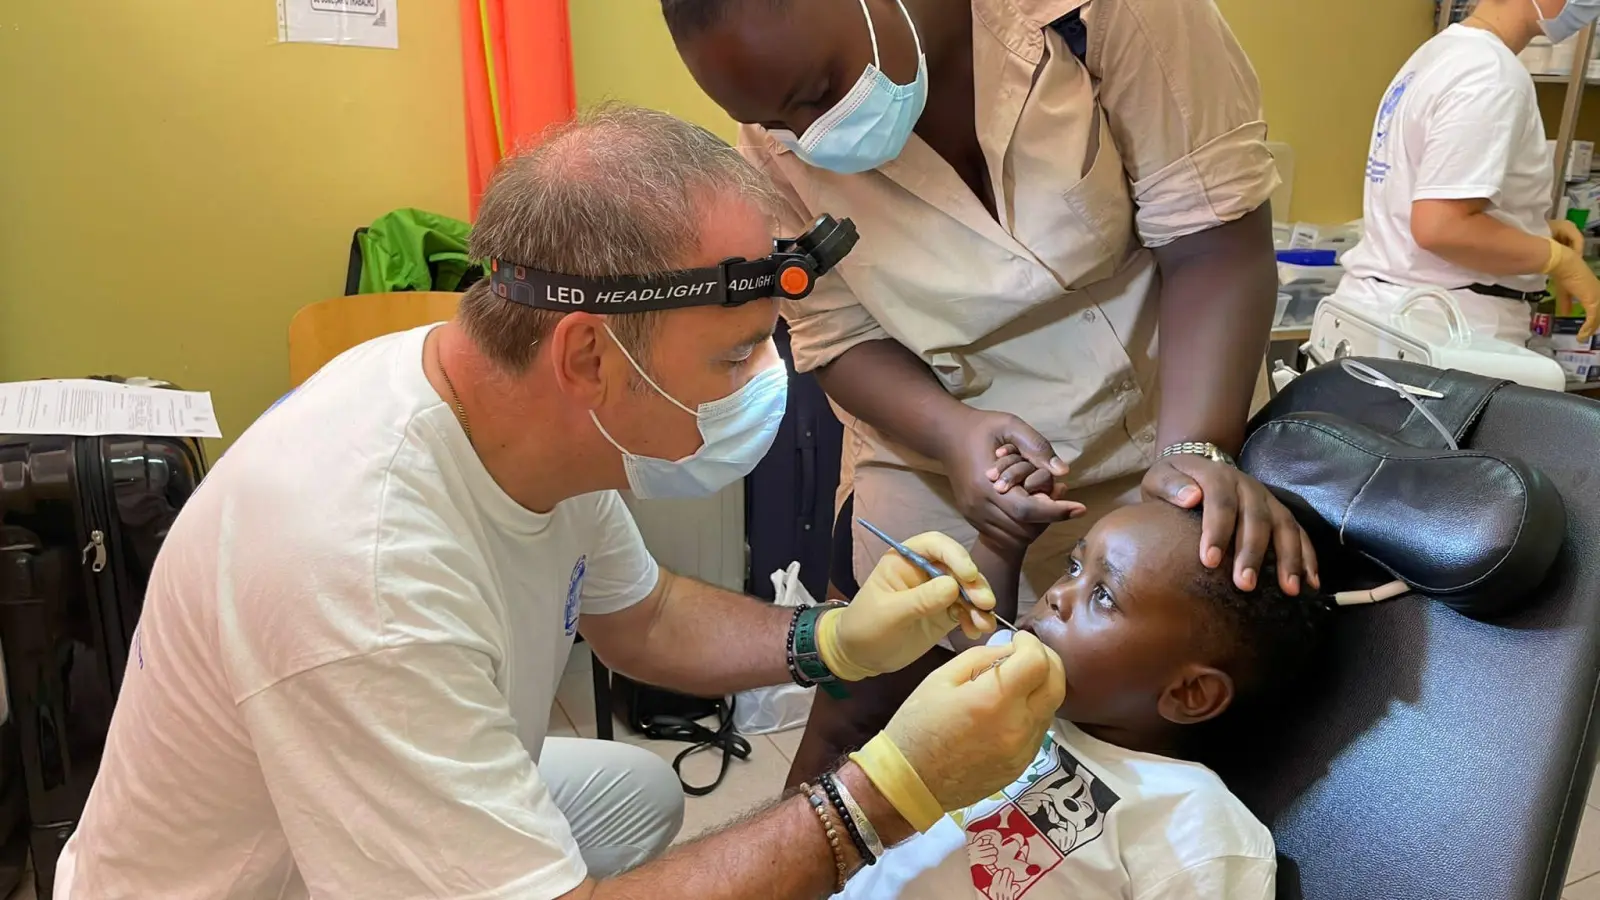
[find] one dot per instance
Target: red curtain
(518, 60)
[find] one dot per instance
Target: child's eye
(1074, 568)
(1103, 599)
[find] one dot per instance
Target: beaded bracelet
(788, 651)
(855, 819)
(819, 802)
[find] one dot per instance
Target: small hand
(973, 451)
(1004, 885)
(985, 849)
(1236, 505)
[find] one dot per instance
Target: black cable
(677, 728)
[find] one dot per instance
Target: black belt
(1492, 290)
(1495, 290)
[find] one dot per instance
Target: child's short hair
(1266, 639)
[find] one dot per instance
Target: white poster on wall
(349, 23)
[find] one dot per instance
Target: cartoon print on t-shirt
(1063, 809)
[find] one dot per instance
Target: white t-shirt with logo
(1460, 122)
(1087, 821)
(346, 662)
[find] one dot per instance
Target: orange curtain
(518, 60)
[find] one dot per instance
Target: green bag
(411, 250)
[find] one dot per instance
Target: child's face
(1131, 630)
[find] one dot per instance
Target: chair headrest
(1475, 530)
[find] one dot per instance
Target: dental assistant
(1042, 187)
(351, 642)
(1459, 173)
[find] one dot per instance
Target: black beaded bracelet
(788, 651)
(831, 787)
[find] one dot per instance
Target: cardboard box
(1563, 335)
(1579, 160)
(1581, 366)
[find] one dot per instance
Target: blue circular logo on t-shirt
(574, 596)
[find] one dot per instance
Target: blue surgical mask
(736, 432)
(1571, 20)
(872, 123)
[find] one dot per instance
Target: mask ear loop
(640, 369)
(872, 32)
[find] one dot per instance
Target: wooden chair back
(327, 328)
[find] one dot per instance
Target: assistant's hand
(1236, 506)
(900, 613)
(1574, 279)
(968, 730)
(972, 451)
(1565, 232)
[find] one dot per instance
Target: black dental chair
(1440, 756)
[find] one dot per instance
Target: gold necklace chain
(461, 411)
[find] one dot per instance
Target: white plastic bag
(785, 706)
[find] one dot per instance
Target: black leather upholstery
(1438, 756)
(1475, 529)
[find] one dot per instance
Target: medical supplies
(1305, 277)
(1579, 161)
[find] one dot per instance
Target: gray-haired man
(353, 635)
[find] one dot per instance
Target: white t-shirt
(1087, 821)
(1460, 122)
(346, 662)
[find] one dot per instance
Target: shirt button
(1147, 437)
(1125, 387)
(1088, 315)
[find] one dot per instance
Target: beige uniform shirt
(1048, 312)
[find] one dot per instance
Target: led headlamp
(790, 272)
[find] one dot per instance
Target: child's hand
(1013, 472)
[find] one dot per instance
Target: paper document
(350, 23)
(89, 408)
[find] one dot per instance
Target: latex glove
(1566, 233)
(1574, 280)
(900, 613)
(967, 731)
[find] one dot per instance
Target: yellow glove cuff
(1558, 250)
(886, 767)
(832, 656)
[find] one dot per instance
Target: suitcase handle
(1455, 319)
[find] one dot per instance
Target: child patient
(1153, 645)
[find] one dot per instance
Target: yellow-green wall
(175, 183)
(1322, 80)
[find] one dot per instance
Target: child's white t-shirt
(1087, 821)
(1459, 122)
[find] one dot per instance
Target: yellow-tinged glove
(1574, 280)
(901, 613)
(1565, 232)
(967, 731)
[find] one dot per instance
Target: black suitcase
(81, 521)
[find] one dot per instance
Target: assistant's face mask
(1571, 20)
(870, 125)
(736, 432)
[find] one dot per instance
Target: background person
(1030, 221)
(352, 637)
(1458, 178)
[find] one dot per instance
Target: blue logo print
(1377, 168)
(574, 595)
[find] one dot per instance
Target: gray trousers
(623, 802)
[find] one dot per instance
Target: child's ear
(1198, 694)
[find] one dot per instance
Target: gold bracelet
(820, 804)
